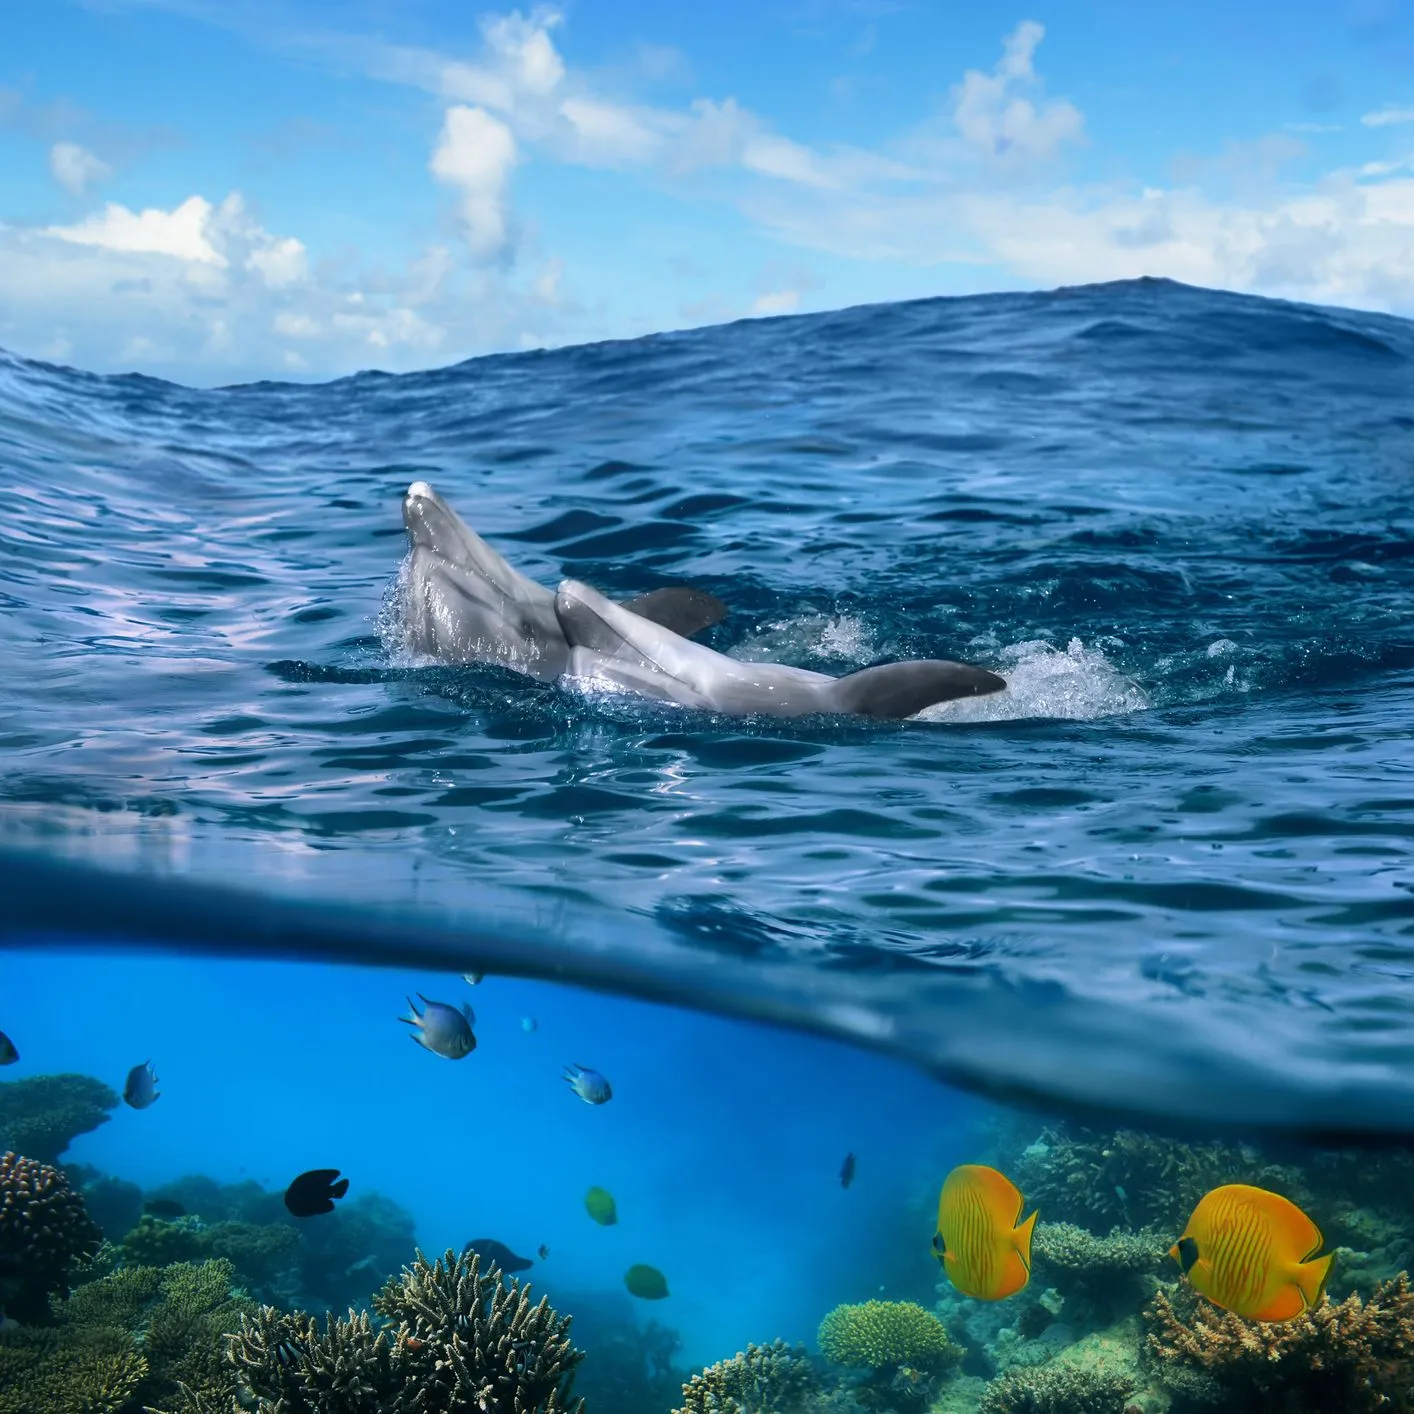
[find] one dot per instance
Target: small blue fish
(589, 1085)
(444, 1030)
(141, 1088)
(528, 1024)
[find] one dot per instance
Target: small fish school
(1245, 1249)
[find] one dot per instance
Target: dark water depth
(1168, 870)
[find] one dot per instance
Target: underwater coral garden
(202, 1298)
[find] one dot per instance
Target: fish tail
(1311, 1277)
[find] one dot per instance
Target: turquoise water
(1162, 879)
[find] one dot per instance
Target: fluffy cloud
(995, 118)
(475, 154)
(183, 232)
(75, 168)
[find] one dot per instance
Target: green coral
(157, 1242)
(124, 1341)
(1057, 1389)
(42, 1113)
(879, 1334)
(762, 1379)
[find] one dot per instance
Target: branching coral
(41, 1114)
(99, 1372)
(457, 1339)
(44, 1232)
(1352, 1356)
(1057, 1389)
(762, 1379)
(1103, 1179)
(880, 1334)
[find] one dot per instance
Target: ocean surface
(1164, 876)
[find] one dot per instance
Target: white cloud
(182, 232)
(475, 153)
(75, 168)
(997, 122)
(777, 302)
(281, 262)
(610, 135)
(1384, 117)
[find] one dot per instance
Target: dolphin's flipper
(679, 609)
(897, 690)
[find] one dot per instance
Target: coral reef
(879, 1334)
(44, 1232)
(1354, 1355)
(157, 1242)
(137, 1335)
(1095, 1278)
(905, 1350)
(1057, 1389)
(1101, 1180)
(41, 1114)
(762, 1379)
(113, 1203)
(457, 1339)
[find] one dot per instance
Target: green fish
(599, 1204)
(647, 1283)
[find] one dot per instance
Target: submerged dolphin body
(610, 644)
(465, 604)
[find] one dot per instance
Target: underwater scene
(888, 833)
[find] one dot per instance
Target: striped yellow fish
(982, 1243)
(1251, 1251)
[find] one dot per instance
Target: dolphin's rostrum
(465, 604)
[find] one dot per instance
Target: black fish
(847, 1171)
(8, 1054)
(492, 1251)
(314, 1192)
(543, 1252)
(164, 1208)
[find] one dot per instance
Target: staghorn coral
(1351, 1356)
(762, 1379)
(1057, 1389)
(44, 1232)
(41, 1114)
(98, 1372)
(457, 1339)
(880, 1334)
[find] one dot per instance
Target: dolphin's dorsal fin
(679, 609)
(897, 690)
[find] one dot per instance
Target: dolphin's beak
(431, 523)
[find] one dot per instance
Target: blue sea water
(1165, 874)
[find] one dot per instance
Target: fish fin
(1016, 1272)
(1311, 1277)
(1021, 1236)
(418, 1040)
(897, 690)
(340, 1188)
(679, 609)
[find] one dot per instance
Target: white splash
(843, 637)
(1077, 684)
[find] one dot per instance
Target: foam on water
(1072, 684)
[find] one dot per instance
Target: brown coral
(44, 1232)
(762, 1379)
(458, 1339)
(1352, 1356)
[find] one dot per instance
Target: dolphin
(464, 604)
(609, 644)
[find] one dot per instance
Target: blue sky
(298, 188)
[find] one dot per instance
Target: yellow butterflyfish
(1251, 1251)
(981, 1241)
